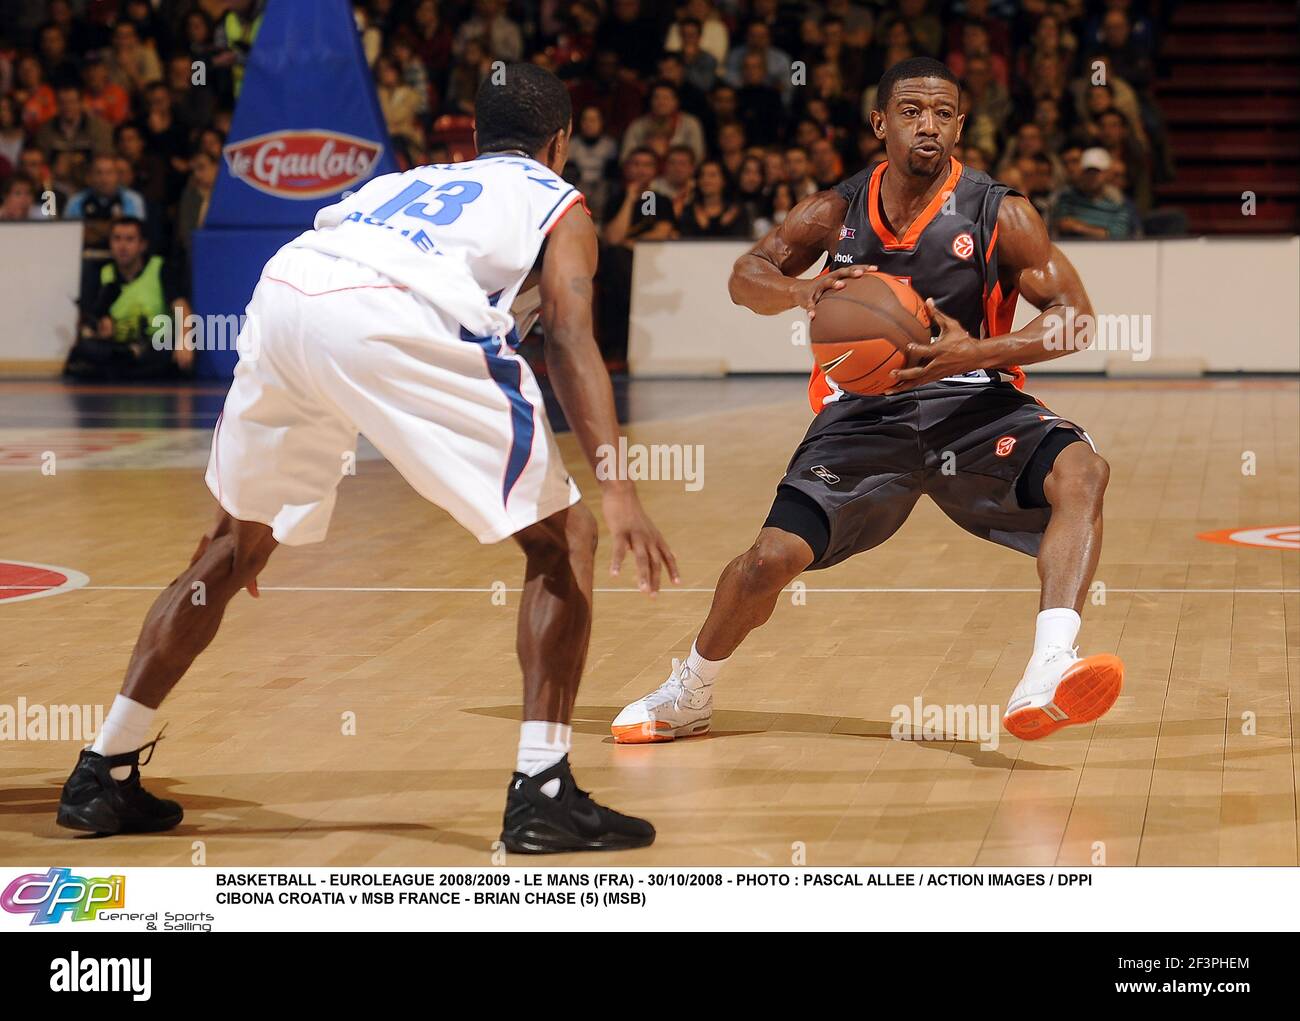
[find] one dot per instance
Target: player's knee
(232, 559)
(557, 538)
(774, 560)
(1083, 475)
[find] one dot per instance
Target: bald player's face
(921, 125)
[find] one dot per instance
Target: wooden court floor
(392, 624)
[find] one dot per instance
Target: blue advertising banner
(307, 128)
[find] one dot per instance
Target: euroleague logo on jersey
(302, 164)
(1004, 446)
(963, 246)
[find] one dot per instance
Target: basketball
(861, 331)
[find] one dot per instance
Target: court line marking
(829, 591)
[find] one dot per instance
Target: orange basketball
(860, 331)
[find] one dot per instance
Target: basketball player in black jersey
(955, 425)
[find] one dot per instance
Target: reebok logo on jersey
(825, 474)
(841, 257)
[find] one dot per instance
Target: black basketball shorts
(865, 461)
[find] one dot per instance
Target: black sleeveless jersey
(949, 254)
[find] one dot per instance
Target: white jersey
(463, 236)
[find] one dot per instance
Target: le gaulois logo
(302, 164)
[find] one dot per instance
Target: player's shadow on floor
(745, 723)
(204, 813)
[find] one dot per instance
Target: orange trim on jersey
(579, 197)
(993, 242)
(888, 240)
(999, 314)
(818, 389)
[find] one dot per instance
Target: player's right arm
(577, 373)
(766, 278)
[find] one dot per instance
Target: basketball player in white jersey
(391, 318)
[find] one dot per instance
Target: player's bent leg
(1059, 688)
(104, 794)
(743, 600)
(546, 811)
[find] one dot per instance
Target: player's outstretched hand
(809, 292)
(953, 352)
(633, 531)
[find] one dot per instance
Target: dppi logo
(47, 898)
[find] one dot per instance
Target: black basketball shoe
(536, 823)
(95, 802)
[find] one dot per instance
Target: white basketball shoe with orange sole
(1059, 690)
(680, 707)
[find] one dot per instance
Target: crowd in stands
(727, 111)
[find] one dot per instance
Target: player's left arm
(1031, 263)
(581, 383)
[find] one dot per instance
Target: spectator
(433, 37)
(595, 155)
(678, 179)
(1115, 136)
(852, 63)
(699, 65)
(18, 199)
(758, 52)
(399, 102)
(714, 39)
(924, 28)
(462, 84)
(628, 31)
(163, 136)
(1089, 208)
(193, 207)
(150, 169)
(758, 102)
(413, 70)
(826, 166)
(639, 213)
(121, 317)
(731, 146)
(501, 37)
(74, 130)
(98, 205)
(34, 94)
(1028, 143)
(619, 98)
(779, 204)
(131, 63)
(12, 136)
(52, 45)
(975, 43)
(665, 125)
(193, 107)
(749, 187)
(857, 21)
(713, 212)
(798, 173)
(233, 38)
(103, 97)
(1129, 60)
(692, 99)
(32, 164)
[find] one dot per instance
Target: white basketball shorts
(332, 348)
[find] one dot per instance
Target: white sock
(125, 730)
(1057, 628)
(541, 746)
(706, 670)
